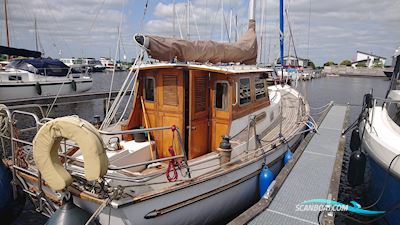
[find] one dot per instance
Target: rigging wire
(57, 25)
(308, 34)
(195, 21)
(291, 34)
(95, 17)
(115, 56)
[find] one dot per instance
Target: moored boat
(29, 78)
(209, 129)
(379, 130)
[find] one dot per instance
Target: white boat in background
(108, 63)
(30, 78)
(76, 64)
(3, 65)
(93, 65)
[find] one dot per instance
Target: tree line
(346, 62)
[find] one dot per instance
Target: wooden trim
(254, 105)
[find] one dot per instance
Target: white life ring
(47, 142)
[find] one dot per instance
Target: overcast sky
(89, 28)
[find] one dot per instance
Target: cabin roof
(225, 69)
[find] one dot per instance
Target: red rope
(171, 167)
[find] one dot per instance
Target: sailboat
(208, 128)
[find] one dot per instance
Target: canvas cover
(41, 66)
(167, 49)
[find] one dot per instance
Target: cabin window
(244, 91)
(149, 89)
(221, 95)
(14, 77)
(259, 87)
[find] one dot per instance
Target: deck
(314, 175)
(291, 121)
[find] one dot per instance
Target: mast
(7, 32)
(36, 35)
(281, 34)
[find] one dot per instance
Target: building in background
(292, 61)
(369, 60)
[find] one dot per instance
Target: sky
(321, 30)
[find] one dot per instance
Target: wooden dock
(313, 173)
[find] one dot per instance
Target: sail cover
(19, 52)
(167, 49)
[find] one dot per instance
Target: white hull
(382, 139)
(209, 202)
(9, 90)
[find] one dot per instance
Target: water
(345, 90)
(318, 92)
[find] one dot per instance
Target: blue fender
(264, 180)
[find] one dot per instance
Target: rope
(171, 167)
(320, 112)
(329, 104)
(4, 123)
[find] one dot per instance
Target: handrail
(135, 131)
(111, 167)
(387, 100)
(28, 106)
(37, 120)
(40, 122)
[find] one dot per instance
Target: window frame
(265, 89)
(225, 107)
(154, 88)
(251, 99)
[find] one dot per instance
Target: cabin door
(221, 108)
(198, 113)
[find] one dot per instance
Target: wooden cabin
(202, 101)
